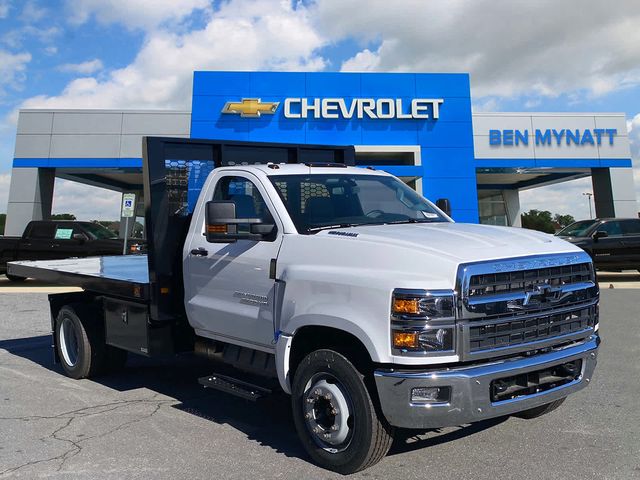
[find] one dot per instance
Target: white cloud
(510, 48)
(32, 12)
(134, 14)
(84, 201)
(364, 61)
(486, 104)
(12, 69)
(5, 6)
(84, 68)
(16, 38)
(241, 35)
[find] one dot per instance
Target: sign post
(128, 211)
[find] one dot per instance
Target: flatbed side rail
(105, 285)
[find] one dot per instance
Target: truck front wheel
(539, 411)
(335, 416)
(79, 342)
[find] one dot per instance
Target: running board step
(234, 386)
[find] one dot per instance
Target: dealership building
(419, 127)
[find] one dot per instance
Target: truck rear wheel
(79, 342)
(335, 416)
(539, 411)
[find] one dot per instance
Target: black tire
(539, 411)
(369, 435)
(15, 278)
(80, 341)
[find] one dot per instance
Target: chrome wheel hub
(327, 413)
(68, 342)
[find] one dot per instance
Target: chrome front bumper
(470, 399)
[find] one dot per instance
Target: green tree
(563, 220)
(540, 220)
(63, 216)
(3, 219)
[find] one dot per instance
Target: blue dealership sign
(432, 111)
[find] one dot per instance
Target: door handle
(199, 252)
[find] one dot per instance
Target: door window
(243, 192)
(42, 231)
(64, 232)
(612, 228)
(631, 227)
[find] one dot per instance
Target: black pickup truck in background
(57, 239)
(613, 243)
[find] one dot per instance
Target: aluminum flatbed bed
(124, 276)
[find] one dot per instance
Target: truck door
(609, 251)
(631, 242)
(228, 292)
(37, 243)
(65, 245)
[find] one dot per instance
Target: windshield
(317, 202)
(98, 232)
(577, 229)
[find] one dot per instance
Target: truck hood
(459, 242)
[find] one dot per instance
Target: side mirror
(222, 225)
(445, 205)
(599, 234)
(80, 237)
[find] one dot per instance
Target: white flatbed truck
(340, 285)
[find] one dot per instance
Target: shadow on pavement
(267, 421)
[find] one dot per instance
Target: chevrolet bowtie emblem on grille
(544, 293)
(250, 107)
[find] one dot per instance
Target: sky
(573, 56)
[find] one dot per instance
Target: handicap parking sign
(128, 205)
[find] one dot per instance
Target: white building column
(614, 193)
(30, 198)
(512, 205)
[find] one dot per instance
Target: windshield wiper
(413, 220)
(331, 227)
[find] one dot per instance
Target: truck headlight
(423, 321)
(423, 304)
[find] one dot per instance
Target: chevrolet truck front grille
(525, 304)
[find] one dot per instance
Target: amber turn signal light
(404, 305)
(216, 228)
(405, 340)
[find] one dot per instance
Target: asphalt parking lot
(154, 421)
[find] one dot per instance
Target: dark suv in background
(613, 243)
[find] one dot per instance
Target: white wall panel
(156, 123)
(619, 149)
(619, 122)
(32, 146)
(85, 146)
(483, 122)
(35, 123)
(90, 123)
